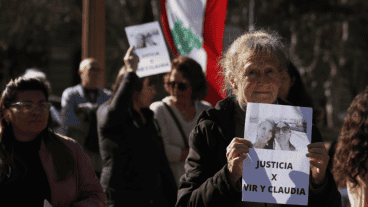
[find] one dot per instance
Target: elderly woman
(351, 162)
(177, 114)
(37, 165)
(218, 144)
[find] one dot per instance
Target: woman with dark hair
(292, 88)
(33, 157)
(135, 169)
(351, 157)
(280, 138)
(177, 114)
(218, 145)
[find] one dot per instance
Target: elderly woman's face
(260, 80)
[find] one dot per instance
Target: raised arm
(122, 100)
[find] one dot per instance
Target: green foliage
(328, 43)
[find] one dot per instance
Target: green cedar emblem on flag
(184, 38)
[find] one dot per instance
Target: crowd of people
(117, 148)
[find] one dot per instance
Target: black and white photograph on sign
(278, 135)
(276, 169)
(150, 47)
(146, 40)
(282, 130)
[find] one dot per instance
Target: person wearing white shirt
(177, 114)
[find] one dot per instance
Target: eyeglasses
(284, 129)
(27, 107)
(180, 86)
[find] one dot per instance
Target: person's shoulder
(106, 91)
(205, 105)
(158, 105)
(71, 143)
(222, 111)
(71, 91)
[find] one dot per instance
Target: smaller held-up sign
(276, 169)
(150, 47)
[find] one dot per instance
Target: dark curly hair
(351, 157)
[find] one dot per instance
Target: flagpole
(251, 15)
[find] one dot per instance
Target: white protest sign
(150, 47)
(277, 169)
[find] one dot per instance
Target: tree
(326, 46)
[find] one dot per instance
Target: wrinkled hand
(131, 60)
(235, 156)
(318, 161)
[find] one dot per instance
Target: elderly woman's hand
(318, 160)
(131, 60)
(235, 156)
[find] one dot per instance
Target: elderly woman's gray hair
(252, 43)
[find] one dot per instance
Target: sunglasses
(284, 129)
(180, 86)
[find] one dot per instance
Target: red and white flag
(195, 28)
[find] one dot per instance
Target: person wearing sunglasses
(177, 114)
(135, 169)
(281, 138)
(37, 164)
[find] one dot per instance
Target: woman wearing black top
(35, 163)
(135, 169)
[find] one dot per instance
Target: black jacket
(135, 168)
(206, 183)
